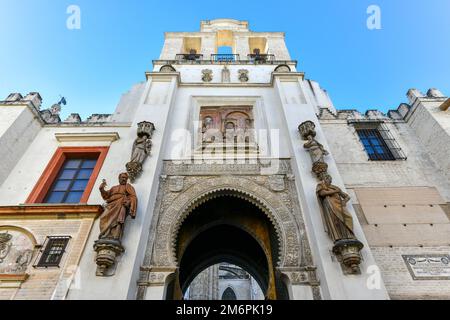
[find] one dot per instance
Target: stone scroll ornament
(333, 201)
(121, 202)
(142, 147)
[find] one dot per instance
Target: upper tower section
(225, 40)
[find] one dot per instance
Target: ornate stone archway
(185, 187)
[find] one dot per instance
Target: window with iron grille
(378, 142)
(72, 180)
(53, 252)
(374, 144)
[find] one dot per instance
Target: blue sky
(94, 66)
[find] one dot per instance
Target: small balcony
(189, 57)
(224, 58)
(261, 58)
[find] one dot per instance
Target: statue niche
(142, 147)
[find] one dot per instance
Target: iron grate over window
(378, 142)
(374, 144)
(54, 249)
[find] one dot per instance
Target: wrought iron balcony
(189, 57)
(225, 57)
(261, 58)
(200, 59)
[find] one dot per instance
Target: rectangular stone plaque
(428, 267)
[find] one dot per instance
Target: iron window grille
(53, 251)
(378, 141)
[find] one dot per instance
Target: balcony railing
(189, 57)
(225, 57)
(261, 58)
(200, 59)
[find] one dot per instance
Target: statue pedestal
(348, 253)
(107, 252)
(134, 169)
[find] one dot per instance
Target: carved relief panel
(233, 124)
(16, 251)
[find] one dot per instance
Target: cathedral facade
(225, 176)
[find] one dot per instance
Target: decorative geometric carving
(142, 147)
(207, 75)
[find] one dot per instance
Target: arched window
(229, 294)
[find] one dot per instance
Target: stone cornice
(12, 281)
(50, 211)
(87, 136)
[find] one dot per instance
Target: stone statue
(317, 152)
(142, 147)
(339, 223)
(121, 201)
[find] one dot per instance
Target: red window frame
(50, 173)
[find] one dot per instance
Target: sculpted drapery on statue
(142, 147)
(338, 221)
(121, 201)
